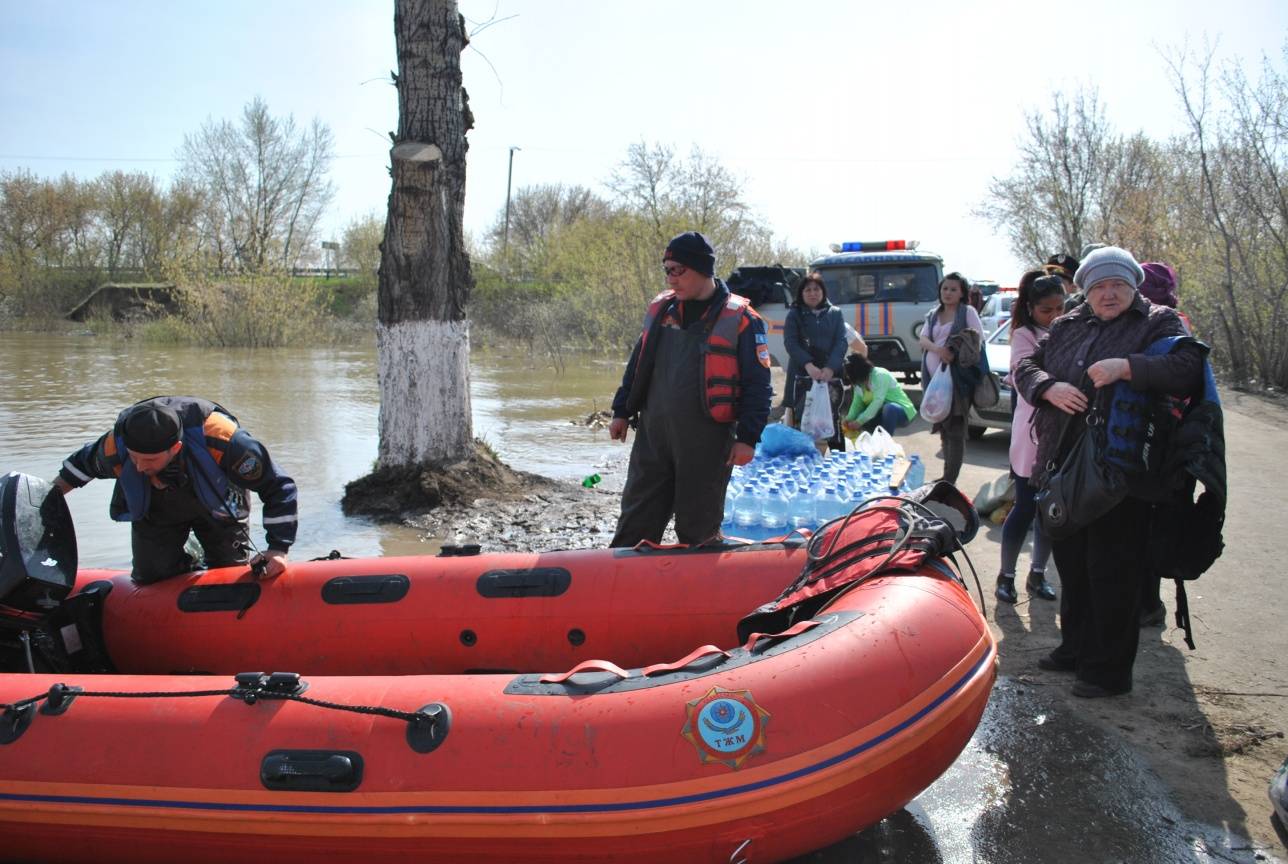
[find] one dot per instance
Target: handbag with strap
(986, 394)
(1084, 486)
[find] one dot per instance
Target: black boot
(1006, 589)
(1038, 586)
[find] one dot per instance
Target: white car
(997, 347)
(997, 310)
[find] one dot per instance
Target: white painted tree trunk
(425, 364)
(425, 277)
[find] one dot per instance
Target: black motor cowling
(37, 545)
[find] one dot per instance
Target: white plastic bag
(884, 445)
(816, 419)
(937, 401)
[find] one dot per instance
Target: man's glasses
(674, 271)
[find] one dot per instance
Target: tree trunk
(425, 280)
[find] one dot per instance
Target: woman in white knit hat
(1101, 566)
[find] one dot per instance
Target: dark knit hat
(693, 251)
(1108, 262)
(1159, 286)
(150, 428)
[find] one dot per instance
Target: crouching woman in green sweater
(878, 398)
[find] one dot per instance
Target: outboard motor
(42, 629)
(37, 547)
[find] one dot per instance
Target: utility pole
(505, 237)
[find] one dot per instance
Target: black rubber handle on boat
(528, 582)
(311, 770)
(356, 590)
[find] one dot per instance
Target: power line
(28, 157)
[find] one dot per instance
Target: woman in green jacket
(878, 398)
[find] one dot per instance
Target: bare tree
(697, 193)
(1239, 143)
(360, 245)
(538, 214)
(674, 194)
(27, 228)
(74, 208)
(425, 278)
(266, 180)
(169, 229)
(1071, 177)
(124, 201)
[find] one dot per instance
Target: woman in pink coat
(1040, 301)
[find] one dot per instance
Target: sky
(844, 119)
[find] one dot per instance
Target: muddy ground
(1206, 725)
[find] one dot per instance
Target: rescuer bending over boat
(182, 465)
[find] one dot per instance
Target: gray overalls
(678, 464)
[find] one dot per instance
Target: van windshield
(881, 283)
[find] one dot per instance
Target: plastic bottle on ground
(916, 476)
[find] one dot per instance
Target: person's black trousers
(1101, 570)
(157, 541)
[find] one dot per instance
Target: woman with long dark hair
(1040, 301)
(951, 334)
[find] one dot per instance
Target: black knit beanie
(150, 428)
(693, 251)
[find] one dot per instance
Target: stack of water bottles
(768, 497)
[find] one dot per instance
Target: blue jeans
(1016, 528)
(892, 417)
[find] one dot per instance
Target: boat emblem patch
(725, 726)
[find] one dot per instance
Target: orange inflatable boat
(615, 705)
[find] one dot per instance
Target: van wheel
(976, 432)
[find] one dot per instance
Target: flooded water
(314, 408)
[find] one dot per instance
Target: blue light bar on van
(874, 245)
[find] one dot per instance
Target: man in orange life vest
(183, 464)
(697, 389)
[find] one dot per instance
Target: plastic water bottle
(746, 509)
(773, 513)
(801, 512)
(731, 492)
(827, 504)
(916, 475)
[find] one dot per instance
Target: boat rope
(252, 686)
(913, 516)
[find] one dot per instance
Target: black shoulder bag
(1083, 486)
